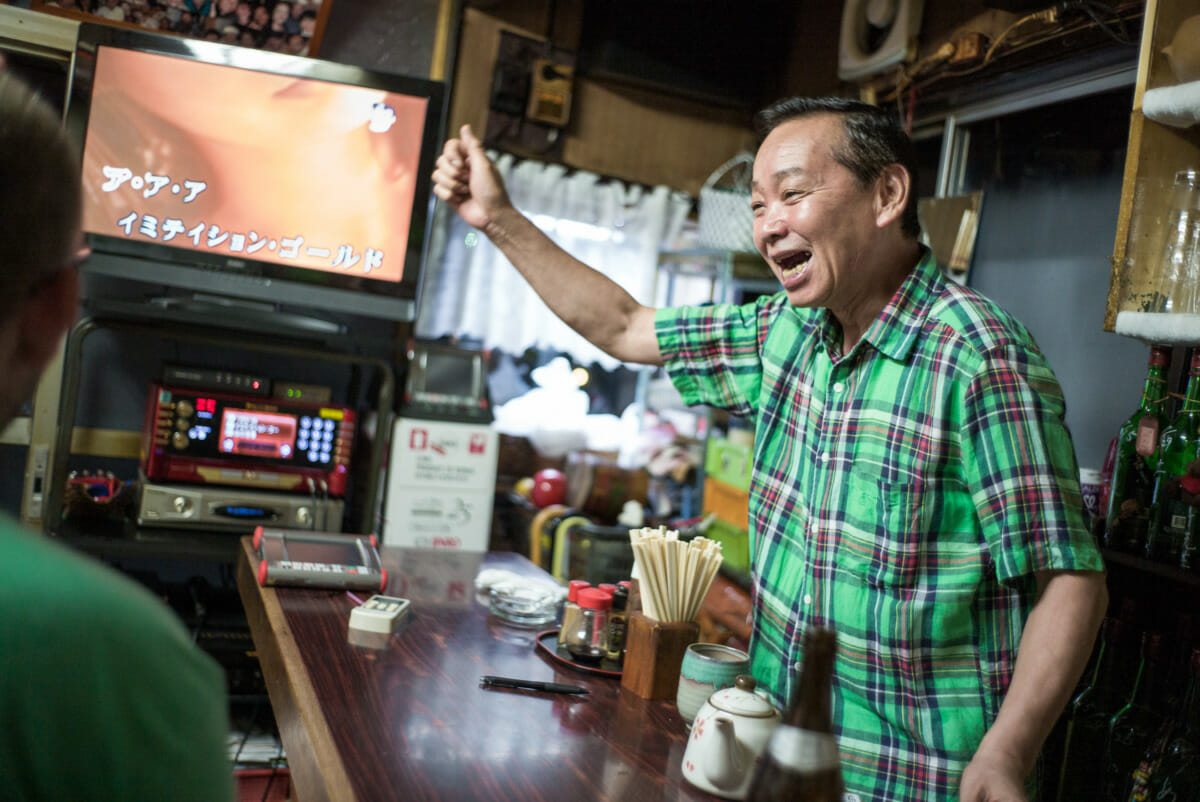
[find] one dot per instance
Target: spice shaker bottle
(587, 639)
(570, 609)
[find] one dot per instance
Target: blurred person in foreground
(103, 695)
(914, 486)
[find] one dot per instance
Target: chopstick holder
(654, 653)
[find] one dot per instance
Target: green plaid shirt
(904, 494)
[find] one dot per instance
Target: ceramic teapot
(728, 737)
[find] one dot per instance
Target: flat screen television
(237, 173)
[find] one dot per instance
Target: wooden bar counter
(405, 718)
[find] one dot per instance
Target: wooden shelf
(1157, 150)
(1145, 566)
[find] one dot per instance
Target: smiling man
(914, 486)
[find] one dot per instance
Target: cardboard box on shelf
(428, 453)
(441, 485)
(728, 462)
(438, 518)
(729, 504)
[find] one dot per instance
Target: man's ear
(892, 189)
(45, 318)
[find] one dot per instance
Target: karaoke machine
(199, 437)
(213, 507)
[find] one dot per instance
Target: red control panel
(221, 438)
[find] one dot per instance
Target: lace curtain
(473, 290)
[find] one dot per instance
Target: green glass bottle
(1128, 516)
(1174, 535)
(1133, 727)
(1177, 776)
(1089, 713)
(1149, 767)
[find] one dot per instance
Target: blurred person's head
(40, 239)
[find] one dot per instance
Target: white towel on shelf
(1160, 327)
(1177, 106)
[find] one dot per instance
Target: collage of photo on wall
(284, 26)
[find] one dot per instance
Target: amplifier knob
(303, 516)
(179, 440)
(182, 424)
(182, 505)
(184, 409)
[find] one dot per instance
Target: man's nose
(771, 223)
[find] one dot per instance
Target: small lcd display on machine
(451, 374)
(258, 434)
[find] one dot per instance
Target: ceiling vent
(877, 34)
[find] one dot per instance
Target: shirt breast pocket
(884, 538)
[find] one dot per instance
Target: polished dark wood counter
(404, 717)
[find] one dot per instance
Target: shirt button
(825, 457)
(837, 388)
(808, 598)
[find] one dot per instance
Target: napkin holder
(654, 653)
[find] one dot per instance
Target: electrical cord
(324, 502)
(1048, 16)
(274, 770)
(200, 610)
(237, 755)
(1093, 8)
(1016, 46)
(312, 497)
(908, 75)
(274, 773)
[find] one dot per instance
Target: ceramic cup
(707, 668)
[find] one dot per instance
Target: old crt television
(232, 172)
(446, 382)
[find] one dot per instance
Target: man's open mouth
(793, 264)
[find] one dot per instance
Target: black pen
(531, 684)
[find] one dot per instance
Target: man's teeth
(796, 265)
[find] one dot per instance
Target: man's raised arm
(585, 299)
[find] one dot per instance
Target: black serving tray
(547, 643)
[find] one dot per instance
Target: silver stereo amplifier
(216, 507)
